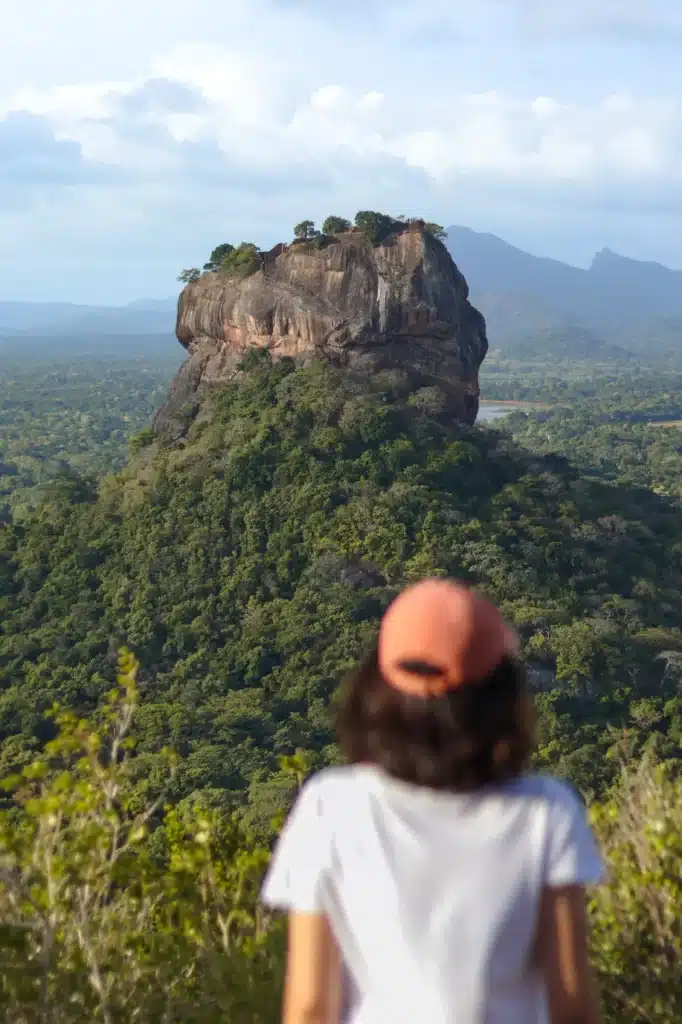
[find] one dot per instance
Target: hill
(248, 565)
(526, 328)
(621, 302)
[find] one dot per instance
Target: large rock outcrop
(402, 305)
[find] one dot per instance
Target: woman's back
(431, 881)
(433, 897)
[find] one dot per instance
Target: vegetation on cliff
(334, 225)
(247, 258)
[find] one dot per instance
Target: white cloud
(238, 117)
(200, 102)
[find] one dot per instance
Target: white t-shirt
(432, 896)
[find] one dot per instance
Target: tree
(242, 261)
(305, 231)
(190, 276)
(218, 255)
(437, 230)
(335, 225)
(375, 225)
(576, 647)
(143, 439)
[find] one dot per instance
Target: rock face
(402, 305)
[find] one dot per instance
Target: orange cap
(447, 625)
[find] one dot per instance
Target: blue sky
(137, 134)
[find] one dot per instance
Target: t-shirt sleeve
(572, 855)
(299, 868)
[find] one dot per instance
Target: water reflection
(490, 411)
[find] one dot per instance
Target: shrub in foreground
(116, 908)
(113, 912)
(637, 915)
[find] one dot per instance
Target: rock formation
(401, 305)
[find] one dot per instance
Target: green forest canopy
(66, 415)
(248, 568)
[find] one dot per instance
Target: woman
(431, 880)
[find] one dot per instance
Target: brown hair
(480, 734)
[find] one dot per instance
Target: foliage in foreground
(115, 910)
(637, 916)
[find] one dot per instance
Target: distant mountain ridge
(60, 319)
(618, 309)
(103, 346)
(616, 305)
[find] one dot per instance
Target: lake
(488, 411)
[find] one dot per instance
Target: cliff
(401, 305)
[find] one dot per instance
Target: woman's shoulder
(337, 779)
(549, 790)
(364, 776)
(336, 785)
(332, 793)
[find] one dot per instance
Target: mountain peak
(529, 300)
(605, 254)
(607, 258)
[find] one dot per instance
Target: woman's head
(441, 701)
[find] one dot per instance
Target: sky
(135, 135)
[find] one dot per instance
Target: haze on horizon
(135, 137)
